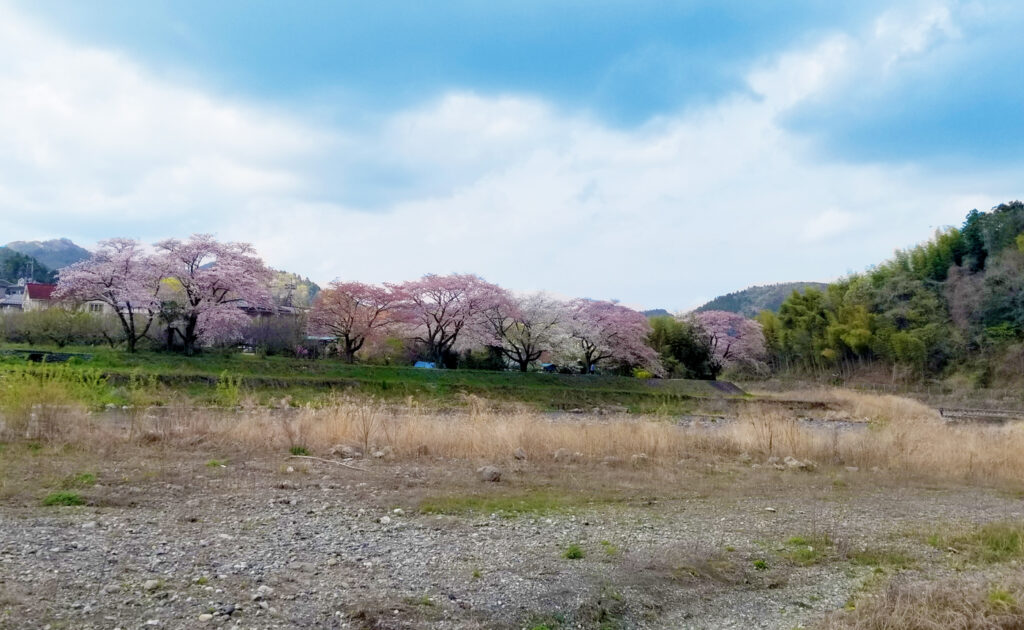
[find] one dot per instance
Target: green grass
(63, 498)
(114, 376)
(1001, 598)
(537, 502)
(81, 480)
(299, 450)
(573, 552)
(761, 564)
(985, 544)
(885, 558)
(216, 463)
(806, 550)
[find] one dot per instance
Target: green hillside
(749, 302)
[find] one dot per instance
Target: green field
(265, 380)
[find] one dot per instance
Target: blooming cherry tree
(440, 308)
(735, 340)
(608, 331)
(352, 312)
(522, 328)
(121, 275)
(213, 281)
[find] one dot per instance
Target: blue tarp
(429, 365)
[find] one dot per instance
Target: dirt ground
(188, 538)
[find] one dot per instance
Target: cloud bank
(513, 187)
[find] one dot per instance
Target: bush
(63, 498)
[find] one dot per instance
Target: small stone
(263, 592)
(153, 622)
(205, 617)
(385, 520)
(90, 525)
(769, 509)
(112, 588)
(852, 469)
(561, 454)
(519, 453)
(398, 511)
(332, 562)
(150, 585)
(772, 460)
(639, 460)
(489, 473)
(290, 469)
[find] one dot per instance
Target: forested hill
(55, 253)
(954, 304)
(14, 266)
(751, 301)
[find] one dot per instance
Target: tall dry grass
(898, 435)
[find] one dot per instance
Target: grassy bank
(265, 380)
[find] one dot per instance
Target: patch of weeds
(887, 558)
(299, 450)
(217, 463)
(477, 574)
(81, 480)
(987, 544)
(573, 552)
(1001, 598)
(806, 550)
(34, 447)
(550, 621)
(730, 548)
(609, 548)
(422, 601)
(63, 498)
(202, 580)
(761, 564)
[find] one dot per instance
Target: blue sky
(659, 153)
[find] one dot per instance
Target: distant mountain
(14, 266)
(749, 302)
(55, 253)
(656, 312)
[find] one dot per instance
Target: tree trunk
(190, 335)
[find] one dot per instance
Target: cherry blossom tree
(608, 331)
(213, 282)
(523, 328)
(440, 308)
(352, 312)
(121, 275)
(735, 341)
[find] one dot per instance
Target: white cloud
(708, 201)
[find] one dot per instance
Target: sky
(657, 153)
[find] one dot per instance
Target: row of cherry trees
(447, 313)
(198, 291)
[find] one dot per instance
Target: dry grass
(966, 604)
(900, 435)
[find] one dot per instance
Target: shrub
(63, 498)
(573, 552)
(299, 450)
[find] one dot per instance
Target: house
(37, 296)
(11, 301)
